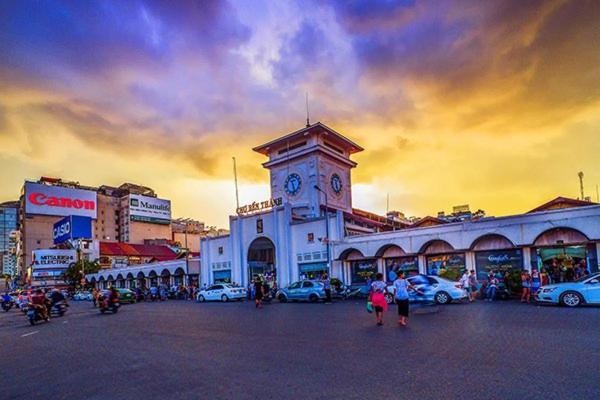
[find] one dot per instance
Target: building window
(220, 249)
(311, 237)
(259, 226)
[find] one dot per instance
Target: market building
(309, 227)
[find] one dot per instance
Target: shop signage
(72, 227)
(57, 200)
(53, 259)
(149, 209)
(263, 205)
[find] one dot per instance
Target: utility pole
(580, 174)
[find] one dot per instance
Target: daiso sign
(61, 201)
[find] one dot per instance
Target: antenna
(580, 174)
(237, 196)
(307, 115)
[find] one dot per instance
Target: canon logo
(40, 199)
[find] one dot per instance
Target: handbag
(369, 307)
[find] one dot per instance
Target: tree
(73, 274)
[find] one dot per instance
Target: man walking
(466, 284)
(327, 286)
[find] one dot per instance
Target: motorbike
(7, 305)
(106, 304)
(59, 309)
(33, 315)
(345, 292)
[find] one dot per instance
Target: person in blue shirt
(401, 288)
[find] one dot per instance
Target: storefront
(409, 265)
(221, 272)
(449, 266)
(564, 255)
(507, 266)
(362, 270)
(312, 270)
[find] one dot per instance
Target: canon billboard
(61, 201)
(149, 209)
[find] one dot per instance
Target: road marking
(30, 333)
(64, 322)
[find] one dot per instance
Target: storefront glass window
(362, 270)
(506, 264)
(565, 263)
(312, 270)
(449, 266)
(409, 265)
(222, 276)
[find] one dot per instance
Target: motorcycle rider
(39, 302)
(56, 297)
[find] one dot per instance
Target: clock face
(292, 184)
(336, 183)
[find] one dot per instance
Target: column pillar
(470, 261)
(527, 258)
(421, 260)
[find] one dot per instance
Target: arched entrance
(130, 281)
(179, 276)
(141, 280)
(165, 277)
(261, 260)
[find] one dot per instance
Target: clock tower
(312, 156)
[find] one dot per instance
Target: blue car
(585, 290)
(312, 291)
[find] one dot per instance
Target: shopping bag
(369, 307)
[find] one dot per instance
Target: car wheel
(224, 298)
(201, 299)
(389, 298)
(282, 298)
(442, 298)
(571, 299)
(313, 298)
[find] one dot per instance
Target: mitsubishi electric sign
(149, 209)
(61, 201)
(52, 259)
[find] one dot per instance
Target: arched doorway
(153, 278)
(165, 277)
(130, 281)
(563, 254)
(179, 275)
(261, 260)
(141, 280)
(441, 259)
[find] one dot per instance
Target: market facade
(309, 227)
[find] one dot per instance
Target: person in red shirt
(39, 302)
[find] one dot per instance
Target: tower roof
(341, 139)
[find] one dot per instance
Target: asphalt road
(179, 350)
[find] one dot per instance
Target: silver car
(434, 288)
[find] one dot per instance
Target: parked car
(302, 291)
(126, 296)
(434, 288)
(221, 291)
(585, 290)
(85, 296)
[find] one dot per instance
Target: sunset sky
(491, 103)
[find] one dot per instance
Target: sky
(495, 104)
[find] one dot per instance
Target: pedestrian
(258, 292)
(473, 285)
(377, 297)
(536, 281)
(526, 285)
(465, 283)
(401, 287)
(95, 296)
(492, 286)
(327, 287)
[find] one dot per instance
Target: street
(186, 350)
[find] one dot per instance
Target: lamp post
(326, 226)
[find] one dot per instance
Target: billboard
(61, 201)
(48, 259)
(149, 209)
(72, 227)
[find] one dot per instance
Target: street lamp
(326, 226)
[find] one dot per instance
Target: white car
(434, 288)
(85, 296)
(222, 292)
